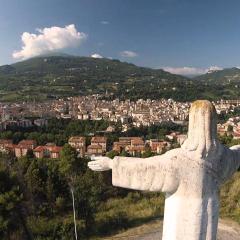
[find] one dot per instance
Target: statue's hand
(100, 164)
(235, 147)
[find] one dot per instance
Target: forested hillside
(51, 77)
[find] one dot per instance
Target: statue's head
(202, 130)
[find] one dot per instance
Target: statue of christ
(190, 176)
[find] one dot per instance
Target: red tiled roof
(28, 142)
(77, 139)
(5, 141)
(137, 148)
(94, 147)
(137, 141)
(99, 139)
(56, 149)
(129, 138)
(11, 146)
(39, 149)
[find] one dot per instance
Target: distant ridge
(55, 54)
(224, 76)
(50, 77)
(60, 76)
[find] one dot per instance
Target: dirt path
(227, 230)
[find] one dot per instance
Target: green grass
(141, 211)
(137, 211)
(230, 198)
(123, 213)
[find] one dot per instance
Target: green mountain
(49, 77)
(225, 76)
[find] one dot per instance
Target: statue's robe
(191, 185)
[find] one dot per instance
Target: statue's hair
(202, 132)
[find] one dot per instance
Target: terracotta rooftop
(77, 138)
(137, 142)
(56, 149)
(5, 141)
(94, 147)
(27, 142)
(39, 149)
(99, 139)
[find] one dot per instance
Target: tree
(112, 154)
(147, 154)
(35, 178)
(10, 200)
(69, 162)
(68, 167)
(124, 154)
(230, 128)
(88, 192)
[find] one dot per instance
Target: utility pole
(74, 213)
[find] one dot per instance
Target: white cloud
(128, 54)
(214, 68)
(49, 40)
(104, 22)
(96, 55)
(190, 71)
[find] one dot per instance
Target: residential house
(102, 141)
(24, 146)
(95, 150)
(137, 146)
(47, 151)
(158, 146)
(79, 143)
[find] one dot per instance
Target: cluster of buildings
(128, 113)
(134, 146)
(94, 107)
(226, 106)
(98, 146)
(135, 113)
(22, 123)
(230, 127)
(21, 149)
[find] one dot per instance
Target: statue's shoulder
(174, 153)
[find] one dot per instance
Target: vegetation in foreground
(35, 194)
(230, 198)
(35, 200)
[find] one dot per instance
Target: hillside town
(129, 114)
(94, 107)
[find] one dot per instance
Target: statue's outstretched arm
(229, 162)
(156, 173)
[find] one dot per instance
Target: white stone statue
(190, 176)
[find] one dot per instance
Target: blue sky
(180, 35)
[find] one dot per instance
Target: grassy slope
(141, 214)
(230, 198)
